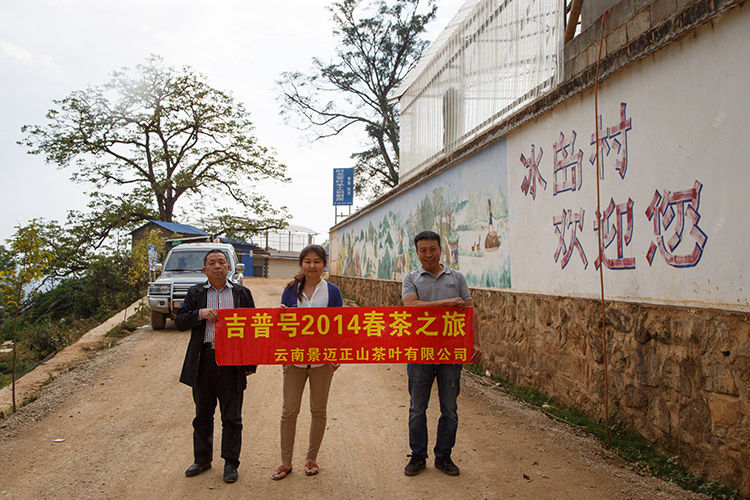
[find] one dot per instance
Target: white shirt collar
(319, 296)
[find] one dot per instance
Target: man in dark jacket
(200, 371)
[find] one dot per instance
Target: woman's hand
(283, 306)
(334, 366)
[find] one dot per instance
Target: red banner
(344, 335)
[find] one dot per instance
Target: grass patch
(627, 443)
(23, 366)
(28, 401)
(125, 328)
(100, 346)
(122, 329)
(78, 327)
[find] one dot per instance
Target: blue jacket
(289, 296)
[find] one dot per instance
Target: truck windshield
(185, 261)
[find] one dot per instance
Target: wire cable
(600, 223)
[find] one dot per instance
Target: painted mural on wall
(467, 205)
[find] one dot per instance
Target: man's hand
(411, 300)
(454, 302)
(209, 314)
(477, 356)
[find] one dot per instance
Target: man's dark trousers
(421, 378)
(216, 382)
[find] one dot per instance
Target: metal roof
(179, 228)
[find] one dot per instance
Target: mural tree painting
(378, 44)
(470, 217)
(154, 137)
(29, 258)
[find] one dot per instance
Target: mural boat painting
(491, 242)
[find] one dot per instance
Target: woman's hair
(299, 278)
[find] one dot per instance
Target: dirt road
(126, 425)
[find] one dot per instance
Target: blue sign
(343, 186)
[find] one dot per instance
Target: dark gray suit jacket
(189, 317)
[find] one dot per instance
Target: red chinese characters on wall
(613, 140)
(675, 219)
(616, 225)
(674, 215)
(568, 171)
(528, 185)
(568, 226)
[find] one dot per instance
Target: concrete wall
(282, 268)
(673, 109)
(680, 376)
(521, 212)
(671, 147)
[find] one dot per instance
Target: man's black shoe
(416, 464)
(196, 469)
(230, 473)
(446, 465)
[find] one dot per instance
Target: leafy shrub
(102, 288)
(46, 337)
(52, 319)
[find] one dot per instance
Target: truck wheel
(158, 320)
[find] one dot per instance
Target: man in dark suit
(209, 381)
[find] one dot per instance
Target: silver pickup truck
(182, 269)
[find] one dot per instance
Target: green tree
(238, 227)
(138, 271)
(378, 43)
(29, 258)
(151, 138)
(6, 264)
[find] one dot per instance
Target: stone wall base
(678, 375)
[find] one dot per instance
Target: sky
(49, 48)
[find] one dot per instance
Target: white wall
(689, 112)
(282, 268)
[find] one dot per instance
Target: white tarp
(494, 57)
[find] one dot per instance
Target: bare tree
(378, 43)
